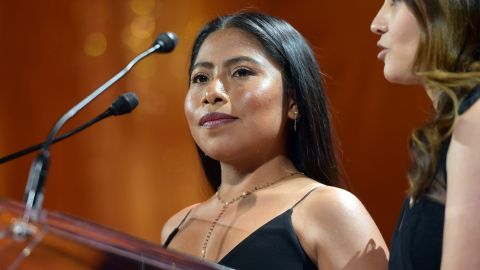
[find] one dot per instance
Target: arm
(461, 240)
(338, 233)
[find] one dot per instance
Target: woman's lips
(383, 52)
(215, 119)
(381, 55)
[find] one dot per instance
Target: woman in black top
(437, 44)
(257, 112)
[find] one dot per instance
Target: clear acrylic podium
(58, 241)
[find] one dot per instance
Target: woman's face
(236, 107)
(399, 37)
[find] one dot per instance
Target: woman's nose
(215, 93)
(379, 23)
(378, 29)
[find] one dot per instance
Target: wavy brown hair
(448, 61)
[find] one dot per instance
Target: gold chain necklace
(226, 204)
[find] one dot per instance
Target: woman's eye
(199, 78)
(242, 72)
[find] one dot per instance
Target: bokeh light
(143, 27)
(95, 44)
(142, 7)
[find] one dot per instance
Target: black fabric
(417, 240)
(273, 246)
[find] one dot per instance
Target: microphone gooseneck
(123, 104)
(165, 43)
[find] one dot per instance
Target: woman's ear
(292, 109)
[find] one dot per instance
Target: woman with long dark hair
(436, 44)
(258, 114)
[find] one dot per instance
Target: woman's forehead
(231, 43)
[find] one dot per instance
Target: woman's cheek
(189, 107)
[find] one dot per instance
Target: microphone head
(167, 42)
(125, 103)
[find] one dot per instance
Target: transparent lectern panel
(54, 241)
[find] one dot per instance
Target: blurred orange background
(132, 172)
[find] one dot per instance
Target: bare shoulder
(339, 231)
(463, 159)
(461, 240)
(335, 205)
(174, 221)
(467, 127)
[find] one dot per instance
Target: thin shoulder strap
(305, 196)
(470, 99)
(176, 230)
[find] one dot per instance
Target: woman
(437, 44)
(257, 111)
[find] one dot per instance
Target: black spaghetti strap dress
(418, 237)
(272, 246)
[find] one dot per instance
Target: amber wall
(132, 172)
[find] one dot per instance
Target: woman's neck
(236, 180)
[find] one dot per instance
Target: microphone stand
(38, 170)
(22, 228)
(33, 199)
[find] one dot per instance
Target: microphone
(123, 104)
(165, 43)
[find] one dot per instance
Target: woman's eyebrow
(229, 62)
(208, 65)
(238, 59)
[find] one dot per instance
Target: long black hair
(310, 147)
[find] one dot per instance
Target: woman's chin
(404, 78)
(218, 154)
(229, 157)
